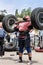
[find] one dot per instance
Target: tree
(2, 14)
(3, 11)
(28, 11)
(25, 12)
(16, 13)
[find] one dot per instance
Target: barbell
(36, 20)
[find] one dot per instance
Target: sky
(12, 5)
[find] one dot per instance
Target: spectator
(2, 35)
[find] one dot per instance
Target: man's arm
(30, 27)
(16, 27)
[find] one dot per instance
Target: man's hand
(15, 25)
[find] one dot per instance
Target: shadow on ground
(12, 59)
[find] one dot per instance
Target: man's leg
(21, 46)
(20, 54)
(29, 55)
(1, 44)
(1, 48)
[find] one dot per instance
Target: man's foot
(29, 63)
(20, 61)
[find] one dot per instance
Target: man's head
(27, 18)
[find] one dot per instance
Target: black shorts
(24, 42)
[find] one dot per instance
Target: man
(2, 35)
(41, 38)
(24, 28)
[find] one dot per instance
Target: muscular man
(24, 38)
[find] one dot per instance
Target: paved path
(10, 58)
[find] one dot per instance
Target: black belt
(24, 33)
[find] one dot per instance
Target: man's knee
(28, 49)
(21, 50)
